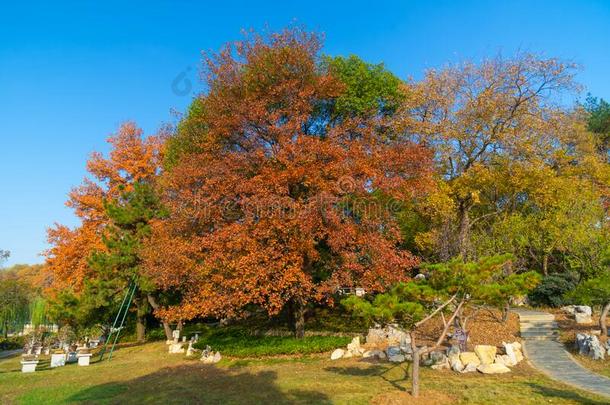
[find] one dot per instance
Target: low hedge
(11, 343)
(238, 342)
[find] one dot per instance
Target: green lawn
(146, 373)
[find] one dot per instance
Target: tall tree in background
(599, 121)
(284, 198)
(493, 125)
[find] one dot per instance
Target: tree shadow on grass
(565, 394)
(381, 371)
(198, 384)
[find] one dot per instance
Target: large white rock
(379, 354)
(337, 354)
(494, 368)
(209, 358)
(486, 353)
(469, 368)
(583, 309)
(510, 352)
(455, 363)
(470, 358)
(354, 347)
(582, 318)
(176, 348)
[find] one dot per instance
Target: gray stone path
(9, 353)
(539, 331)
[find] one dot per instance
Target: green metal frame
(122, 314)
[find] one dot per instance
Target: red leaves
(282, 202)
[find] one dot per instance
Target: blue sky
(71, 72)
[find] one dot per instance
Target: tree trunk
(168, 330)
(298, 307)
(464, 229)
(505, 312)
(415, 369)
(602, 319)
(141, 312)
(545, 265)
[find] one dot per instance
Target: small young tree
(449, 288)
(120, 263)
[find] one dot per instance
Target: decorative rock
(470, 358)
(513, 351)
(470, 368)
(582, 318)
(190, 350)
(176, 348)
(438, 357)
(397, 358)
(379, 354)
(456, 364)
(486, 353)
(453, 350)
(441, 366)
(390, 335)
(209, 358)
(493, 368)
(348, 354)
(569, 309)
(589, 345)
(504, 360)
(337, 354)
(354, 347)
(583, 309)
(393, 351)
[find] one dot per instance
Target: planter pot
(84, 358)
(28, 366)
(58, 360)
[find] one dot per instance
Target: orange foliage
(284, 203)
(131, 159)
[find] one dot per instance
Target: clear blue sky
(70, 73)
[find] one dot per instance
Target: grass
(147, 374)
(238, 342)
(597, 366)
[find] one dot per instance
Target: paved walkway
(9, 353)
(539, 331)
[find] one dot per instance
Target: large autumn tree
(79, 259)
(508, 151)
(286, 190)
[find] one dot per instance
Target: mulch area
(485, 328)
(569, 328)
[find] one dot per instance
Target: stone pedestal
(28, 366)
(84, 358)
(72, 357)
(58, 360)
